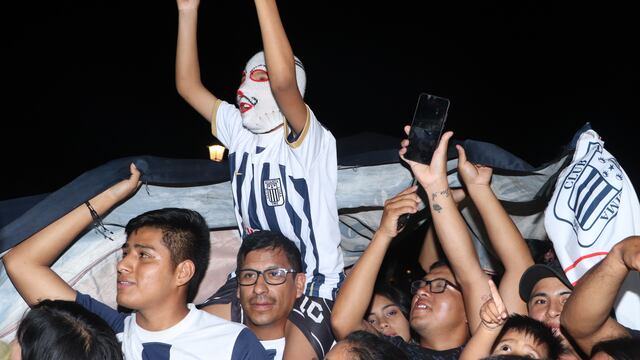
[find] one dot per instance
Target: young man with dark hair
(64, 330)
(184, 233)
(545, 289)
(161, 266)
(267, 294)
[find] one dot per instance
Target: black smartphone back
(426, 127)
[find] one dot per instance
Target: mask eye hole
(259, 75)
(243, 78)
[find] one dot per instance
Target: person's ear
(301, 279)
(184, 272)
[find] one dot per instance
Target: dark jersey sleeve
(312, 315)
(114, 318)
(247, 347)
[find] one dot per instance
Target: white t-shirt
(199, 335)
(287, 184)
(275, 347)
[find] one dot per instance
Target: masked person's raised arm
(281, 65)
(188, 81)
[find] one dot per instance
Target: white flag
(593, 207)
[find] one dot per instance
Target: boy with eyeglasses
(268, 291)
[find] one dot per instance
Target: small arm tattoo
(443, 193)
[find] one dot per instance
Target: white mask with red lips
(258, 108)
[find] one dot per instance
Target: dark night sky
(90, 81)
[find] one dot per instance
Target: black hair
(185, 233)
(444, 263)
(541, 250)
(271, 240)
(439, 263)
(624, 348)
(541, 333)
(506, 357)
(397, 296)
(366, 346)
(61, 330)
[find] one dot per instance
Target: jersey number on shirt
(313, 310)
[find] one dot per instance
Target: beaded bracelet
(97, 222)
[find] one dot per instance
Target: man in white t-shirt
(265, 293)
(164, 259)
(283, 162)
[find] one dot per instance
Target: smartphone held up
(426, 127)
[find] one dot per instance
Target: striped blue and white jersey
(287, 184)
(199, 335)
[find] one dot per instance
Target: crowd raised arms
(447, 318)
(289, 297)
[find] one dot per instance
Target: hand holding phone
(404, 218)
(426, 127)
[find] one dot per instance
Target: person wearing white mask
(283, 167)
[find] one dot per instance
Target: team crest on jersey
(273, 192)
(590, 195)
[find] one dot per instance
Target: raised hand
(406, 202)
(437, 170)
(188, 4)
(124, 188)
(472, 174)
(493, 313)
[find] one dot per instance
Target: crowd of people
(289, 297)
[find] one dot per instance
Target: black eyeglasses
(274, 276)
(436, 286)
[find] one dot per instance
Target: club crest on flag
(589, 197)
(273, 192)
